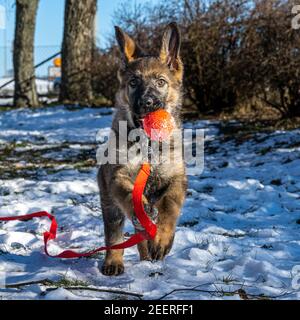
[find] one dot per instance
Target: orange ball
(158, 125)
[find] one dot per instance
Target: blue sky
(50, 27)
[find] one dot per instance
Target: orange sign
(57, 62)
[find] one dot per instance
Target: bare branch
(115, 291)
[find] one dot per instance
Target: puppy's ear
(170, 48)
(129, 49)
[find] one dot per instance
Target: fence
(41, 53)
(44, 70)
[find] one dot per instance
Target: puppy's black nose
(148, 102)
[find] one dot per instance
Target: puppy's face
(149, 83)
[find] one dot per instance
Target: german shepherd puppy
(147, 83)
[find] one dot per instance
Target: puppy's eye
(161, 82)
(133, 83)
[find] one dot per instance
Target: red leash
(137, 193)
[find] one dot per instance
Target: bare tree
(25, 88)
(271, 56)
(77, 51)
(236, 53)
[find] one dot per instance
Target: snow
(239, 227)
(42, 86)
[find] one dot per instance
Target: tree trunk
(77, 51)
(25, 88)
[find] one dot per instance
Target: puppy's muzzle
(149, 104)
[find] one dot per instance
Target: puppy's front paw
(112, 269)
(160, 246)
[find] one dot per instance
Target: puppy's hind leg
(143, 250)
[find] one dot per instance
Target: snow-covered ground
(43, 87)
(238, 235)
